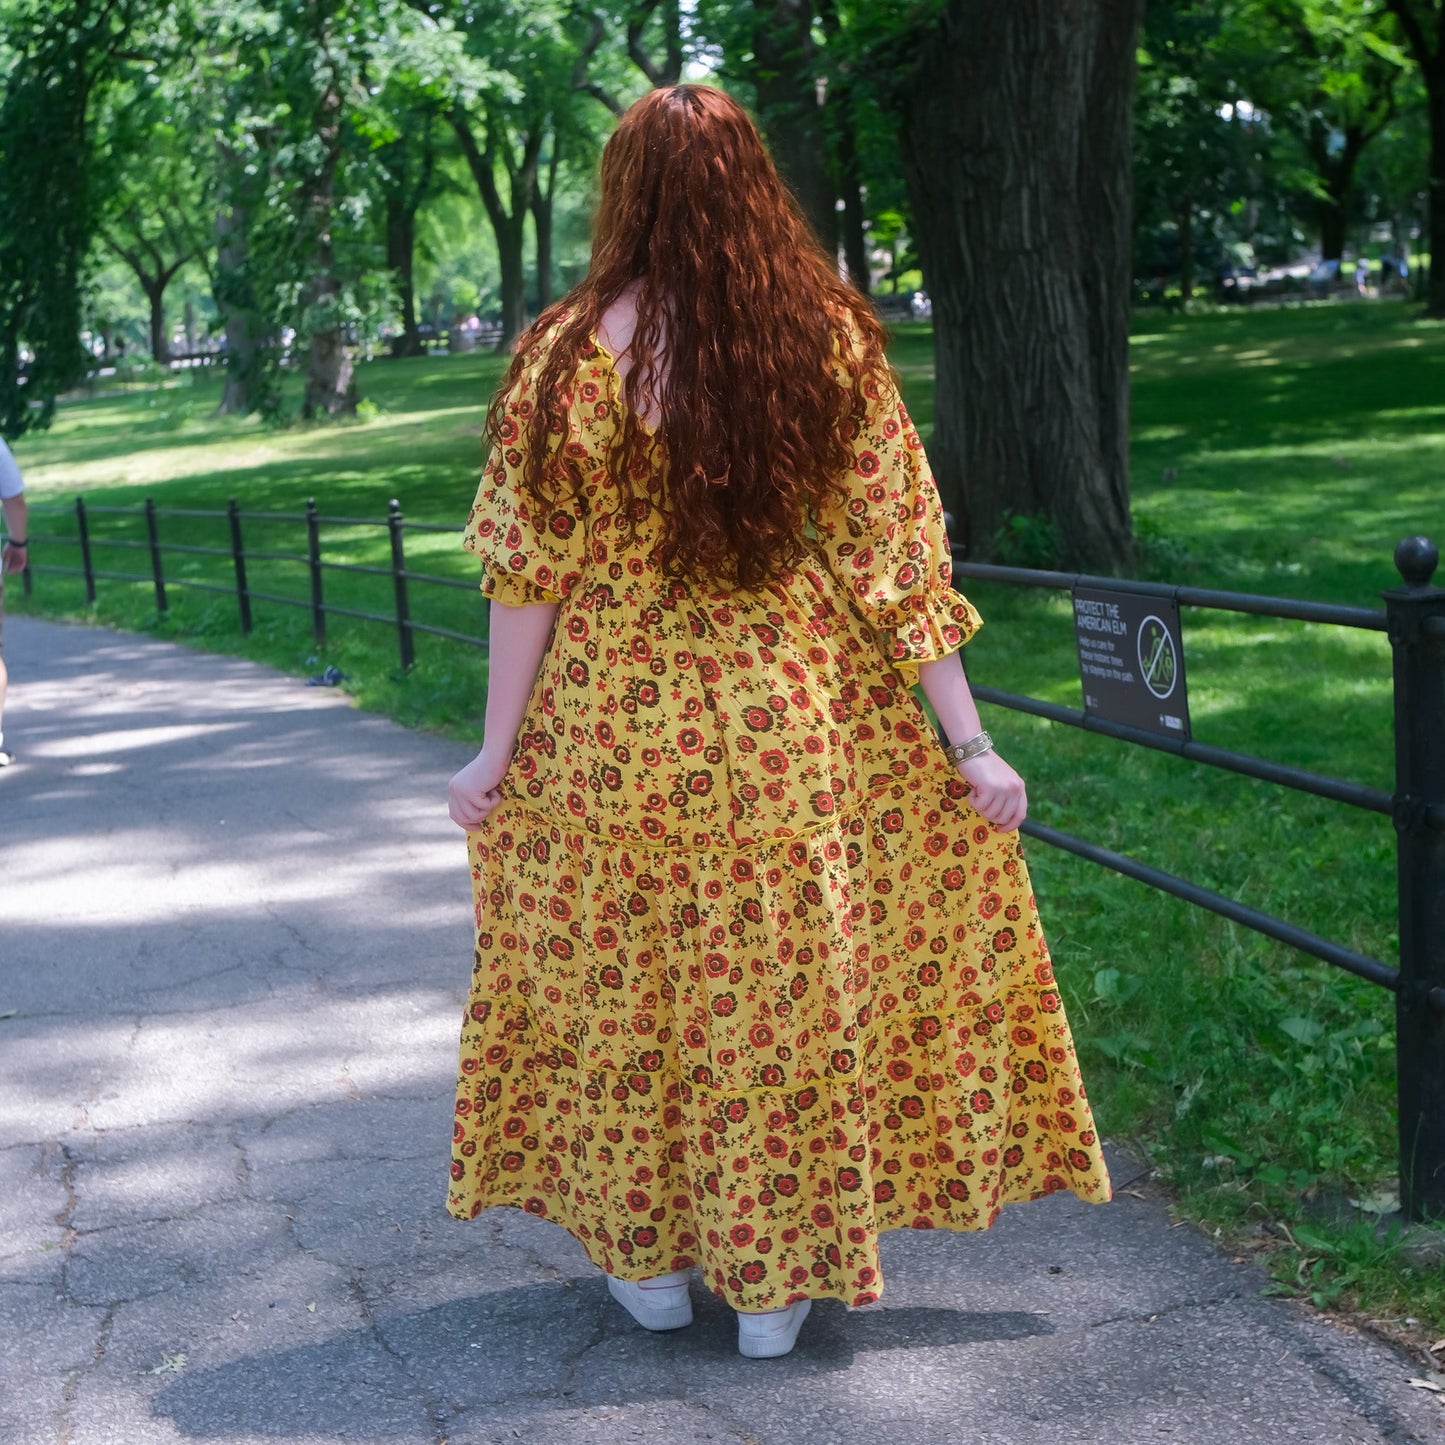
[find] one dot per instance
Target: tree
(790, 102)
(1422, 22)
(1016, 150)
(1329, 71)
(64, 55)
(406, 140)
(296, 258)
(158, 188)
(1188, 155)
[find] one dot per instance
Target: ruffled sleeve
(885, 542)
(529, 553)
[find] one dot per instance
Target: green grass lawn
(1281, 451)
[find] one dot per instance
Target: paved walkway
(234, 932)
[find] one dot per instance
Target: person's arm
(517, 641)
(995, 790)
(16, 521)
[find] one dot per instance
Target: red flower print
(867, 464)
(741, 1234)
(753, 1272)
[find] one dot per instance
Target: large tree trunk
(855, 239)
(401, 262)
(542, 226)
(1337, 172)
(507, 225)
(513, 279)
(788, 104)
(1435, 204)
(160, 340)
(1016, 149)
(330, 389)
(232, 290)
(1184, 224)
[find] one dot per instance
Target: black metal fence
(1413, 619)
(240, 555)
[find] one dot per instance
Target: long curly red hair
(743, 326)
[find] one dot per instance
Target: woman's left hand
(476, 789)
(996, 791)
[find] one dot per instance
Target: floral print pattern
(753, 982)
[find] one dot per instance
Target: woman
(758, 972)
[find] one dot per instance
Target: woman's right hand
(476, 789)
(995, 791)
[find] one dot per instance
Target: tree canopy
(321, 178)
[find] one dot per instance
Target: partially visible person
(13, 558)
(1362, 276)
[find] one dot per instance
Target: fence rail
(317, 565)
(1413, 618)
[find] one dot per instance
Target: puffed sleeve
(529, 553)
(884, 541)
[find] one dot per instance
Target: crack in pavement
(438, 1412)
(75, 1377)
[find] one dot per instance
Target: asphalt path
(235, 938)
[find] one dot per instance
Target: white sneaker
(656, 1304)
(767, 1335)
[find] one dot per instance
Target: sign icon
(1158, 661)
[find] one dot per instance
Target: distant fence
(1413, 619)
(312, 559)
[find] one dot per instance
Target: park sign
(1131, 660)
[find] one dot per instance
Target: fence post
(1416, 615)
(313, 557)
(153, 534)
(238, 557)
(398, 577)
(82, 531)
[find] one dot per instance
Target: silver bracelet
(975, 747)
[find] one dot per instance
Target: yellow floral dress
(753, 982)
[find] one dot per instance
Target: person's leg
(4, 678)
